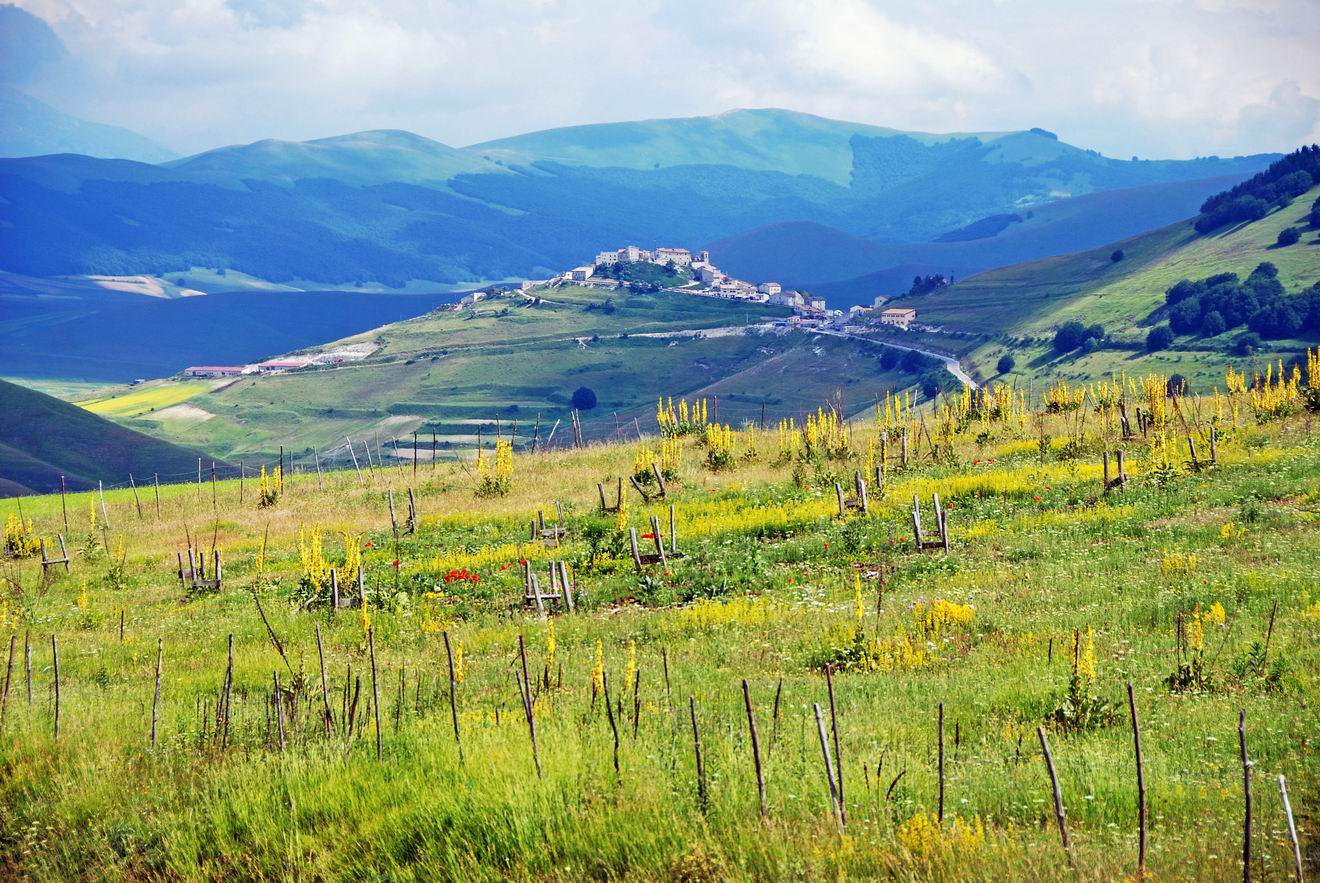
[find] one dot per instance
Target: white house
(898, 317)
(855, 311)
(215, 371)
(581, 274)
(787, 299)
(469, 299)
(880, 301)
(771, 288)
(818, 303)
(630, 253)
(607, 258)
(709, 274)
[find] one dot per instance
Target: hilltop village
(696, 274)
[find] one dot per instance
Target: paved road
(949, 362)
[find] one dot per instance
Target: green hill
(43, 438)
(1017, 309)
(451, 372)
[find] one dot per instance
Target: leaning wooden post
(1122, 475)
(64, 507)
(1058, 795)
(155, 477)
(838, 493)
(325, 688)
(659, 541)
(941, 523)
(279, 708)
(528, 704)
(353, 454)
(316, 456)
(9, 672)
(54, 656)
(829, 765)
(453, 699)
(632, 543)
(1214, 460)
(1141, 786)
(862, 502)
(1104, 462)
(566, 585)
(155, 699)
(137, 502)
(756, 752)
(701, 769)
(1292, 827)
(375, 692)
(600, 489)
(838, 751)
(1246, 797)
(105, 514)
(917, 539)
(334, 593)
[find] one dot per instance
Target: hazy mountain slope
(42, 438)
(377, 157)
(29, 127)
(853, 269)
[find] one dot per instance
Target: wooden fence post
(1246, 797)
(1141, 786)
(155, 699)
(756, 751)
(696, 745)
(453, 700)
(375, 690)
(1058, 795)
(829, 771)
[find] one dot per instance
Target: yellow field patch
(144, 400)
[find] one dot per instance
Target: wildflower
(859, 608)
(549, 644)
(630, 672)
(1215, 615)
(460, 668)
(598, 670)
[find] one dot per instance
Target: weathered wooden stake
(614, 725)
(136, 501)
(9, 672)
(155, 699)
(1292, 827)
(1141, 786)
(632, 544)
(829, 766)
(528, 704)
(105, 514)
(55, 662)
(64, 505)
(1058, 795)
(453, 698)
(756, 751)
(941, 763)
(279, 709)
(375, 691)
(1246, 797)
(838, 752)
(325, 688)
(696, 746)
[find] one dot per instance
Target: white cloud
(1158, 78)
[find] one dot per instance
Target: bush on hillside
(584, 399)
(1288, 236)
(1247, 344)
(1006, 364)
(889, 358)
(1117, 256)
(1159, 338)
(1073, 335)
(1217, 303)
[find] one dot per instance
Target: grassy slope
(451, 371)
(1029, 301)
(42, 438)
(1036, 554)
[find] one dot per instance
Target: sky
(1151, 78)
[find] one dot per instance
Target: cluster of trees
(1278, 185)
(931, 376)
(927, 284)
(1076, 335)
(1213, 305)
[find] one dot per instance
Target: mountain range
(29, 127)
(393, 207)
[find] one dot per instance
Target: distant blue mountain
(393, 206)
(29, 127)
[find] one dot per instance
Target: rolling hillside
(515, 360)
(29, 127)
(392, 207)
(42, 438)
(1017, 309)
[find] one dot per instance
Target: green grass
(764, 592)
(142, 400)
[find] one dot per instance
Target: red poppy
(1037, 499)
(396, 563)
(370, 545)
(667, 573)
(790, 579)
(827, 545)
(648, 536)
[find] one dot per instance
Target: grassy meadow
(1196, 583)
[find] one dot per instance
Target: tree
(1212, 324)
(889, 358)
(584, 399)
(1246, 344)
(1176, 386)
(1117, 256)
(1289, 236)
(1069, 336)
(1006, 364)
(930, 385)
(1159, 338)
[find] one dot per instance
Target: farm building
(214, 371)
(898, 317)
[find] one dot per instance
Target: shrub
(1246, 344)
(1159, 338)
(889, 358)
(1074, 334)
(584, 399)
(1006, 364)
(1289, 236)
(1117, 256)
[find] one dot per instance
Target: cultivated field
(438, 728)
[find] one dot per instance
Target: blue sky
(1155, 78)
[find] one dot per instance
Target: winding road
(952, 364)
